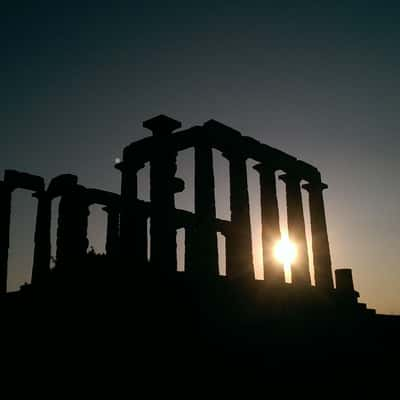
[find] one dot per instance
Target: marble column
(296, 229)
(133, 221)
(72, 242)
(238, 243)
(271, 234)
(163, 167)
(112, 237)
(206, 261)
(42, 250)
(320, 242)
(5, 217)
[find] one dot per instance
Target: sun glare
(285, 251)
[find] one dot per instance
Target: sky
(318, 80)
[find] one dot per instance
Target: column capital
(6, 187)
(312, 186)
(162, 125)
(203, 142)
(109, 209)
(290, 177)
(128, 164)
(42, 194)
(264, 167)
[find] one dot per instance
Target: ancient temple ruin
(127, 215)
(236, 296)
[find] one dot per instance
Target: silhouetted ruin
(233, 316)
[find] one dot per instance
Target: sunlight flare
(285, 251)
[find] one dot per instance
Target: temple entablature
(22, 180)
(61, 184)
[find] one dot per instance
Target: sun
(285, 251)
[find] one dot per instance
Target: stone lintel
(219, 126)
(40, 195)
(23, 180)
(126, 164)
(263, 167)
(5, 186)
(308, 171)
(62, 184)
(234, 154)
(290, 177)
(103, 197)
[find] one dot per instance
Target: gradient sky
(320, 82)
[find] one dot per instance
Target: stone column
(162, 197)
(297, 232)
(271, 234)
(112, 238)
(42, 250)
(320, 242)
(190, 248)
(206, 261)
(238, 244)
(133, 222)
(72, 242)
(162, 194)
(5, 216)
